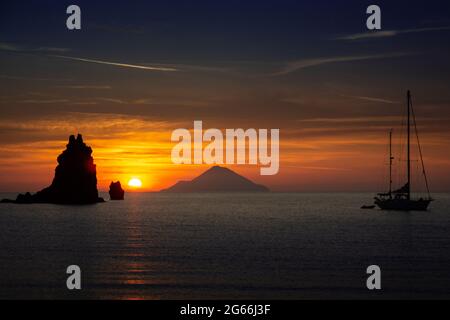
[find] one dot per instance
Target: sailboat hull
(403, 204)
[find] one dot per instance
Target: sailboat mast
(408, 162)
(390, 163)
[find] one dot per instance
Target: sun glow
(135, 183)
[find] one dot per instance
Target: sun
(135, 183)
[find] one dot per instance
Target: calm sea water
(208, 246)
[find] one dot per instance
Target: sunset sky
(137, 70)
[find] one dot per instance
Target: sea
(225, 246)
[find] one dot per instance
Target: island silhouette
(217, 179)
(75, 180)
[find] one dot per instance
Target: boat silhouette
(401, 199)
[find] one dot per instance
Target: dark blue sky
(216, 30)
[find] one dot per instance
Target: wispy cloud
(9, 77)
(199, 68)
(117, 64)
(39, 101)
(388, 33)
(114, 100)
(21, 48)
(51, 49)
(56, 52)
(320, 168)
(8, 47)
(155, 101)
(307, 63)
(371, 99)
(93, 87)
(352, 119)
(84, 103)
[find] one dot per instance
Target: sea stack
(115, 191)
(75, 180)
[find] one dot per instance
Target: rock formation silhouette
(75, 180)
(217, 179)
(115, 191)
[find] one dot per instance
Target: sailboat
(401, 199)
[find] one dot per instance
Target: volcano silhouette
(217, 179)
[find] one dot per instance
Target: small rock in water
(115, 191)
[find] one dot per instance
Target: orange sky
(125, 147)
